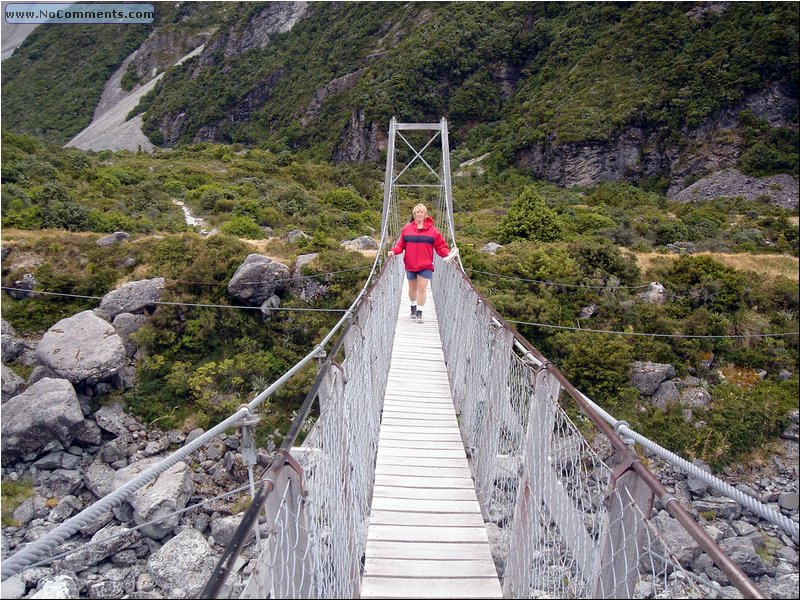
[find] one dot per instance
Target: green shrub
(243, 227)
(590, 221)
(702, 281)
(296, 201)
(742, 419)
(599, 369)
(345, 199)
(536, 261)
(15, 493)
(529, 218)
(599, 258)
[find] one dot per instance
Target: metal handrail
(736, 576)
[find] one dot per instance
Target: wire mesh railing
(316, 508)
(566, 522)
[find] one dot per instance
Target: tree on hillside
(530, 219)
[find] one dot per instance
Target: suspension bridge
(442, 463)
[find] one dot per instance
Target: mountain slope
(659, 94)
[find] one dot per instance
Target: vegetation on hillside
(53, 81)
(505, 74)
(565, 250)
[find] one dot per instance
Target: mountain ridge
(659, 96)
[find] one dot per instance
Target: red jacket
(419, 245)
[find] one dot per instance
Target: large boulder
(165, 496)
(647, 376)
(183, 564)
(256, 279)
(48, 410)
(83, 348)
(133, 297)
(115, 238)
(363, 242)
(654, 293)
(106, 542)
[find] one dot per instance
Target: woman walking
(419, 239)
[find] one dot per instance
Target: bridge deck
(426, 535)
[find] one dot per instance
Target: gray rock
(223, 529)
(133, 297)
(183, 563)
(22, 288)
(112, 418)
(46, 411)
(83, 348)
(270, 304)
(63, 585)
(783, 587)
(125, 324)
(66, 507)
(647, 376)
(167, 494)
(294, 235)
(63, 482)
(12, 347)
(696, 485)
(677, 540)
(654, 294)
(40, 372)
(12, 383)
(743, 553)
(792, 432)
(303, 260)
(666, 394)
(789, 501)
(99, 478)
(115, 238)
(722, 507)
(13, 588)
(696, 397)
(7, 328)
(106, 542)
(681, 248)
(89, 433)
(193, 435)
(491, 248)
(256, 279)
(363, 242)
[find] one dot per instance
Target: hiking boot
(414, 312)
(419, 316)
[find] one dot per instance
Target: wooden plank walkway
(426, 535)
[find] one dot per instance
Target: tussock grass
(769, 265)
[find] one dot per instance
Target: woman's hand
(453, 253)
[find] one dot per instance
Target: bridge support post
(629, 503)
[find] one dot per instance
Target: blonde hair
(420, 205)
